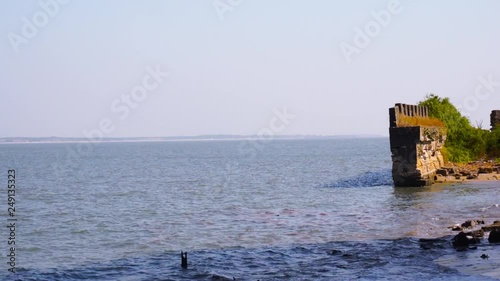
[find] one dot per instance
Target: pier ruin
(415, 148)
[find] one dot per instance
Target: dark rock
(460, 240)
(442, 172)
(456, 228)
(494, 236)
(474, 240)
(465, 173)
(469, 224)
(491, 227)
(485, 256)
(457, 176)
(484, 170)
(472, 177)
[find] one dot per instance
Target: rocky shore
(472, 232)
(480, 170)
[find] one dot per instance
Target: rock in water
(491, 227)
(469, 223)
(476, 233)
(494, 236)
(460, 240)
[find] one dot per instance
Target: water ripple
(368, 179)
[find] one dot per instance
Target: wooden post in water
(184, 260)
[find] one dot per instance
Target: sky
(121, 68)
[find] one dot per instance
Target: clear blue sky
(229, 68)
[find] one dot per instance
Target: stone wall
(495, 118)
(416, 151)
(406, 109)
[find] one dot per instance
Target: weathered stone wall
(495, 118)
(406, 109)
(416, 151)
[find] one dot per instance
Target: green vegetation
(464, 142)
(493, 144)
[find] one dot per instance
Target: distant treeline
(464, 142)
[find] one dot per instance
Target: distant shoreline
(58, 140)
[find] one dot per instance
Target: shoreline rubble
(474, 171)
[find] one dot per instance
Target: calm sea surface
(286, 210)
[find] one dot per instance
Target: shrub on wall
(493, 144)
(464, 142)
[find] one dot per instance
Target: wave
(368, 179)
(394, 259)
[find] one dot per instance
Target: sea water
(321, 209)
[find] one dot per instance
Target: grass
(412, 121)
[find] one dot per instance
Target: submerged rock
(335, 252)
(221, 278)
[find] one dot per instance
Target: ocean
(299, 209)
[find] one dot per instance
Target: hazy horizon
(234, 67)
(222, 136)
